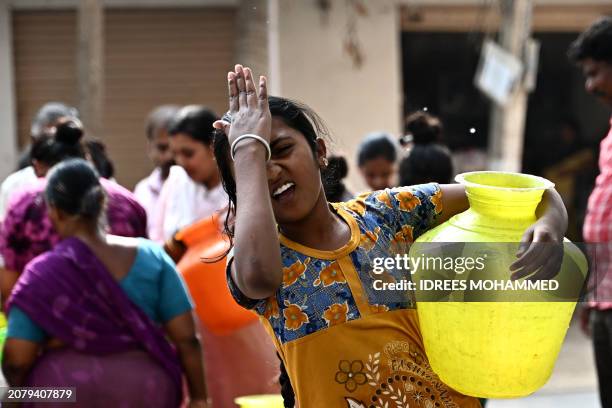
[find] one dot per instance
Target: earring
(325, 162)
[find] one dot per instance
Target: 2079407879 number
(40, 394)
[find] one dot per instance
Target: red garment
(598, 230)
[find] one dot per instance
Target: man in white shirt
(46, 117)
(147, 190)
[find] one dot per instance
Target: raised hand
(248, 107)
(257, 266)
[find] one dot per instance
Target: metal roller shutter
(152, 57)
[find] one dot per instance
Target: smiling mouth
(283, 191)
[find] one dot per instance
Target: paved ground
(571, 400)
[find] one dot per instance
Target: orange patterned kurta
(344, 343)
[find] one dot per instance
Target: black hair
(333, 174)
(375, 145)
(286, 388)
(572, 123)
(424, 128)
(428, 160)
(48, 115)
(595, 42)
(100, 159)
(73, 186)
(60, 143)
(195, 121)
(160, 118)
(425, 164)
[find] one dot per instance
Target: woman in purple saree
(89, 313)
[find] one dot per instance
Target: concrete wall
(252, 36)
(315, 69)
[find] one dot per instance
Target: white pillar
(8, 122)
(508, 122)
(273, 48)
(90, 61)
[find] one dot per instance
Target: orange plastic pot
(206, 280)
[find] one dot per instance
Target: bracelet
(250, 136)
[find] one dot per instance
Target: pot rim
(546, 184)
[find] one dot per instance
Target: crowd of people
(152, 298)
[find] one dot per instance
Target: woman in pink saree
(26, 230)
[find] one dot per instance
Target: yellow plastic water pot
(260, 401)
(496, 349)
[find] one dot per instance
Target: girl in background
(376, 158)
(193, 189)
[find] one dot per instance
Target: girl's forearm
(256, 269)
